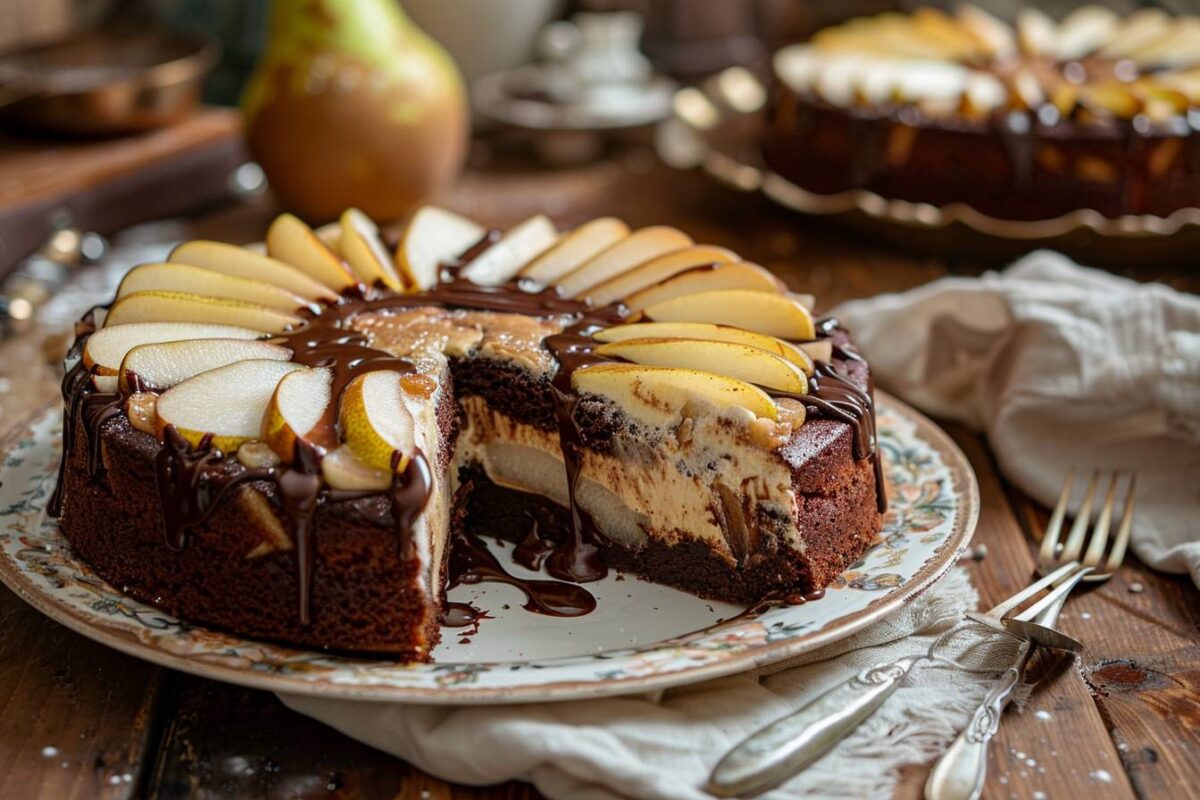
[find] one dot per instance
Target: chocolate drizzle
(192, 481)
(471, 562)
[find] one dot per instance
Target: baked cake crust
(776, 507)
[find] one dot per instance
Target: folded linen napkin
(1063, 367)
(664, 745)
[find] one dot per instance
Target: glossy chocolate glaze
(192, 481)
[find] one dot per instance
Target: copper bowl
(105, 82)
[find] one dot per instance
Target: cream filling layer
(709, 485)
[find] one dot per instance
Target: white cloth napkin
(664, 746)
(1063, 367)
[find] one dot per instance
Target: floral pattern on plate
(516, 656)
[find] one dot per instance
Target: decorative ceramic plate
(717, 127)
(641, 637)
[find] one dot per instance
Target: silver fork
(775, 753)
(785, 747)
(962, 770)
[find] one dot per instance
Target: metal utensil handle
(783, 748)
(962, 770)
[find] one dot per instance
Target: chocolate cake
(304, 445)
(1029, 121)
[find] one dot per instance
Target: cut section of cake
(315, 465)
(1027, 120)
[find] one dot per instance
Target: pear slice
(298, 404)
(520, 244)
(819, 350)
(197, 280)
(1037, 32)
(229, 259)
(995, 35)
(1179, 48)
(796, 354)
(330, 235)
(292, 241)
(433, 237)
(1138, 31)
(657, 270)
(227, 403)
(762, 312)
(575, 248)
(376, 424)
(1086, 30)
(106, 348)
(343, 470)
(742, 275)
(732, 359)
(634, 250)
(662, 395)
(158, 367)
(363, 249)
(182, 307)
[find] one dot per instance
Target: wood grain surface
(1122, 720)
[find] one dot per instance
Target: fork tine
(1119, 544)
(1099, 540)
(1074, 545)
(1020, 597)
(1054, 526)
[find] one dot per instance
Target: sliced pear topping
(520, 244)
(576, 248)
(1085, 30)
(762, 312)
(227, 403)
(742, 275)
(820, 350)
(433, 237)
(106, 348)
(634, 250)
(376, 425)
(713, 333)
(330, 235)
(229, 259)
(182, 307)
(1139, 30)
(158, 367)
(1037, 32)
(299, 402)
(290, 240)
(994, 34)
(735, 360)
(343, 470)
(662, 395)
(657, 270)
(197, 280)
(364, 250)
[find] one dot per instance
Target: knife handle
(780, 750)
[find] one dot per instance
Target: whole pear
(352, 104)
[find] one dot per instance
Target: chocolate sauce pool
(193, 481)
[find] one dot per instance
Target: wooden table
(80, 720)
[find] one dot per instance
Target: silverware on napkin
(784, 748)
